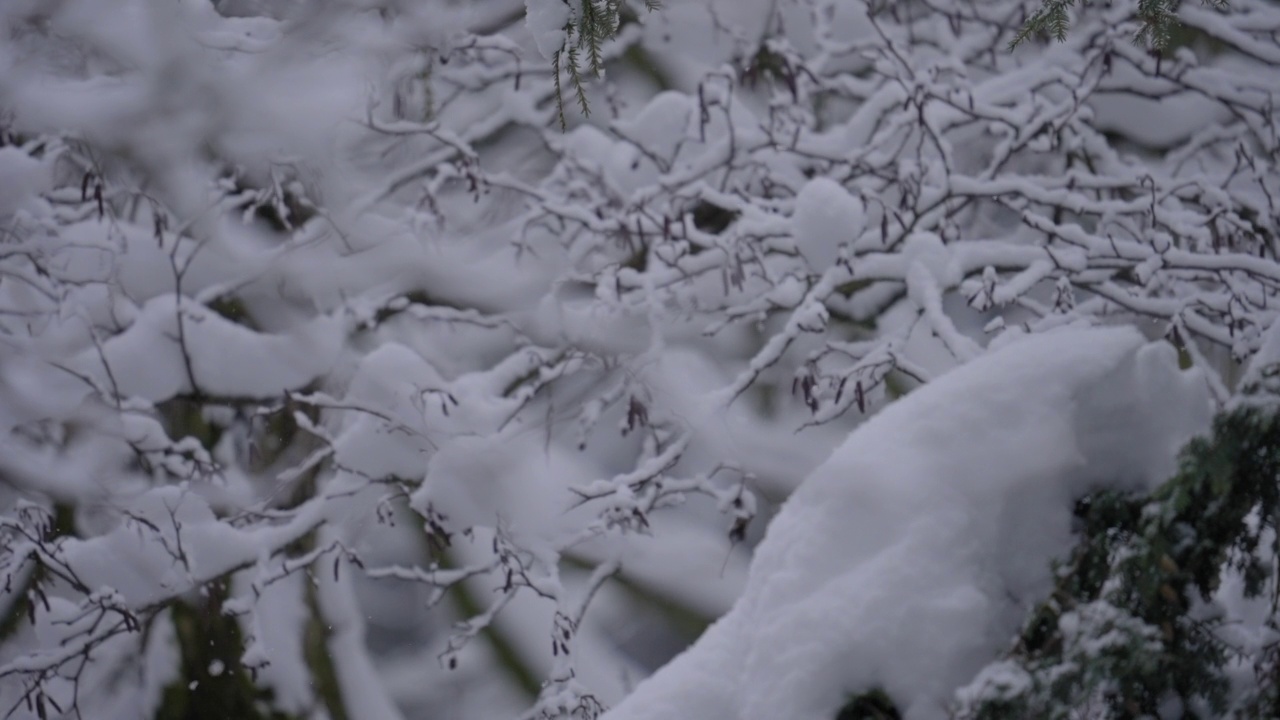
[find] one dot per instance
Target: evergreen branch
(591, 24)
(579, 87)
(555, 75)
(1158, 18)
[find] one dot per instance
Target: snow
(662, 125)
(363, 692)
(150, 359)
(826, 218)
(508, 478)
(23, 179)
(546, 20)
(276, 650)
(928, 251)
(589, 324)
(904, 561)
(1181, 113)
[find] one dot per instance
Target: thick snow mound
(826, 216)
(906, 561)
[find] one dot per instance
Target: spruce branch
(1158, 18)
(591, 24)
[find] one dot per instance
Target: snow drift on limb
(905, 561)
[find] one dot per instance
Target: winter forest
(639, 360)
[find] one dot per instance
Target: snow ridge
(905, 562)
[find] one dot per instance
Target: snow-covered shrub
(1167, 606)
(905, 562)
(320, 340)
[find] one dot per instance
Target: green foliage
(232, 308)
(1136, 620)
(213, 684)
(1158, 18)
(591, 24)
(873, 705)
(711, 218)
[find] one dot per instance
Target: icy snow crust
(905, 562)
